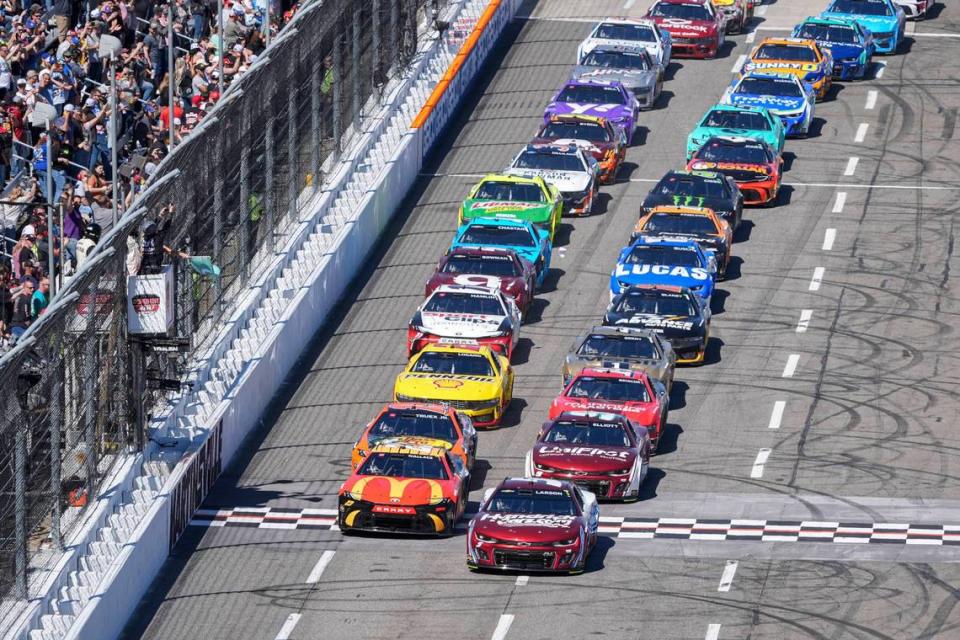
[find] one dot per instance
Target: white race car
(633, 32)
(574, 172)
(915, 9)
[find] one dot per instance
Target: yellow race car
(505, 196)
(472, 379)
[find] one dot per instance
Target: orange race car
(797, 56)
(700, 224)
(596, 136)
(753, 165)
(436, 425)
(405, 487)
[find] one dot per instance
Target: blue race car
(663, 262)
(784, 95)
(529, 241)
(884, 19)
(850, 44)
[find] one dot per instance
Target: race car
(696, 29)
(674, 312)
(610, 100)
(699, 224)
(524, 238)
(698, 189)
(472, 379)
(629, 64)
(745, 122)
(404, 487)
(603, 453)
(679, 263)
(738, 13)
(566, 168)
(627, 348)
(433, 425)
(786, 96)
(532, 524)
(487, 267)
(915, 9)
(597, 136)
(794, 56)
(631, 31)
(514, 197)
(643, 400)
(849, 44)
(752, 163)
(882, 18)
(465, 314)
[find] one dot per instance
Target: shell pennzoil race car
(524, 238)
(657, 261)
(699, 224)
(753, 164)
(597, 136)
(882, 18)
(610, 100)
(743, 122)
(698, 189)
(534, 524)
(465, 314)
(674, 312)
(405, 487)
(849, 44)
(603, 453)
(630, 31)
(641, 399)
(433, 425)
(696, 29)
(472, 379)
(786, 96)
(738, 13)
(487, 267)
(630, 65)
(795, 56)
(566, 168)
(529, 198)
(626, 348)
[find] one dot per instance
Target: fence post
(394, 30)
(20, 487)
(218, 217)
(355, 66)
(337, 89)
(245, 220)
(293, 162)
(267, 221)
(56, 415)
(376, 74)
(315, 115)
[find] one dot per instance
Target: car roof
(649, 241)
(616, 332)
(806, 42)
(621, 20)
(433, 347)
(506, 177)
(706, 212)
(553, 149)
(592, 83)
(498, 222)
(772, 75)
(429, 407)
(738, 108)
(603, 372)
(464, 288)
(666, 288)
(534, 483)
(592, 416)
(482, 251)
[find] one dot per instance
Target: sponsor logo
(792, 66)
(549, 521)
(688, 201)
(696, 273)
(596, 406)
(589, 452)
(659, 323)
(448, 384)
(476, 280)
(389, 509)
(741, 166)
(146, 303)
(496, 205)
(581, 108)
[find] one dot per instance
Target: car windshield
(590, 94)
(614, 389)
(546, 161)
(655, 303)
(590, 131)
(680, 223)
(769, 87)
(718, 151)
(602, 434)
(423, 424)
(635, 32)
(532, 501)
(616, 60)
(601, 346)
(511, 191)
(498, 236)
(828, 33)
(682, 11)
(459, 364)
(685, 187)
(486, 265)
(861, 7)
(736, 120)
(658, 254)
(465, 303)
(792, 52)
(403, 465)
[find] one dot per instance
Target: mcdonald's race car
(784, 95)
(465, 314)
(795, 56)
(566, 168)
(849, 44)
(698, 189)
(524, 238)
(643, 400)
(696, 29)
(656, 261)
(673, 312)
(698, 224)
(626, 348)
(597, 136)
(472, 379)
(528, 198)
(405, 487)
(631, 65)
(630, 31)
(610, 100)
(752, 163)
(433, 425)
(756, 123)
(738, 13)
(882, 18)
(533, 524)
(487, 267)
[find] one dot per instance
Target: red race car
(634, 394)
(753, 165)
(603, 453)
(596, 136)
(491, 268)
(531, 524)
(696, 27)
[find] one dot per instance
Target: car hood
(628, 77)
(799, 69)
(669, 326)
(532, 211)
(562, 180)
(435, 386)
(680, 28)
(676, 276)
(597, 149)
(527, 527)
(841, 51)
(759, 169)
(397, 491)
(773, 103)
(731, 132)
(460, 325)
(591, 459)
(609, 111)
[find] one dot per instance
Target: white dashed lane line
(289, 624)
(503, 626)
(761, 10)
(828, 237)
(804, 321)
(321, 565)
(851, 167)
(861, 132)
(713, 632)
(817, 278)
(757, 470)
(777, 416)
(791, 367)
(522, 580)
(882, 67)
(751, 37)
(841, 200)
(871, 99)
(726, 580)
(739, 63)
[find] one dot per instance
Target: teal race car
(742, 122)
(529, 241)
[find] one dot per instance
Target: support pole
(171, 76)
(220, 45)
(115, 205)
(56, 415)
(51, 258)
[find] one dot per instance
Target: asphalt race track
(834, 352)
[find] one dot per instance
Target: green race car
(741, 122)
(503, 196)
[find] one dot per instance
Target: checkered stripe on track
(266, 518)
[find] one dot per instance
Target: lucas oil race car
(699, 224)
(679, 263)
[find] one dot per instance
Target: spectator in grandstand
(40, 299)
(22, 316)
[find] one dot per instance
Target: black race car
(697, 189)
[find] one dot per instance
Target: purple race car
(609, 100)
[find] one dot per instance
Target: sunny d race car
(597, 136)
(633, 394)
(786, 96)
(794, 56)
(630, 31)
(433, 425)
(626, 348)
(752, 163)
(696, 29)
(699, 224)
(676, 263)
(514, 197)
(472, 379)
(533, 524)
(674, 312)
(737, 12)
(404, 487)
(610, 100)
(567, 168)
(849, 44)
(698, 189)
(487, 267)
(629, 64)
(744, 122)
(882, 18)
(524, 238)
